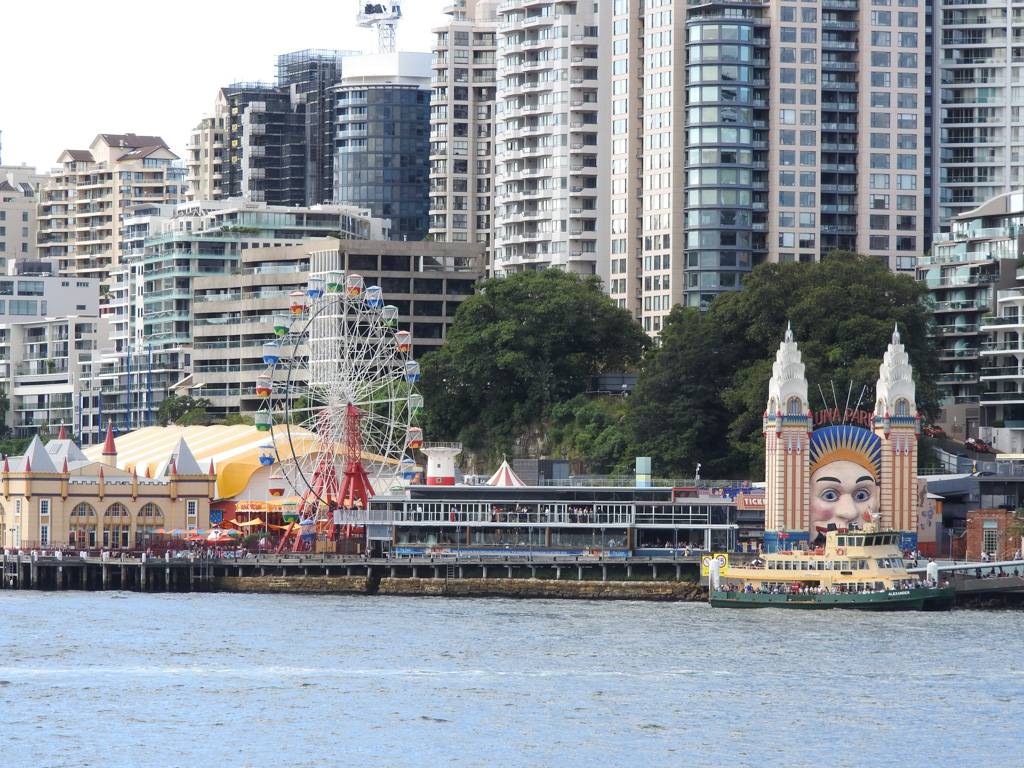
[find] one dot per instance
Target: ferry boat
(858, 569)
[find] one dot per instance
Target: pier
(140, 573)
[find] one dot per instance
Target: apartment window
(787, 75)
(906, 202)
(808, 139)
(808, 159)
(787, 219)
(880, 99)
(786, 199)
(808, 117)
(881, 39)
(808, 56)
(787, 34)
(787, 116)
(879, 160)
(907, 61)
(808, 76)
(787, 157)
(22, 307)
(880, 140)
(907, 80)
(878, 221)
(908, 39)
(807, 219)
(906, 120)
(880, 59)
(806, 240)
(879, 180)
(808, 178)
(906, 162)
(906, 141)
(879, 202)
(787, 55)
(908, 19)
(878, 242)
(906, 222)
(808, 36)
(787, 239)
(787, 138)
(879, 119)
(906, 243)
(906, 181)
(787, 95)
(808, 96)
(807, 199)
(906, 100)
(787, 178)
(787, 14)
(881, 18)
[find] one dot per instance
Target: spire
(109, 451)
(211, 468)
(7, 467)
(62, 436)
(28, 464)
(65, 470)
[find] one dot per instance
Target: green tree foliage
(5, 405)
(701, 397)
(183, 411)
(522, 343)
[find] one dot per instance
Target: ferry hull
(892, 600)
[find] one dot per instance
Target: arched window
(84, 509)
(150, 510)
(902, 407)
(794, 406)
(117, 509)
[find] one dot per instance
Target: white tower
(787, 427)
(897, 423)
(441, 462)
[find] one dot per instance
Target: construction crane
(385, 18)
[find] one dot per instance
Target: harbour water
(128, 679)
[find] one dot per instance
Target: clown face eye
(829, 495)
(862, 495)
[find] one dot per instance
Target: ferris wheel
(339, 397)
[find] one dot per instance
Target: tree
(522, 343)
(5, 406)
(183, 411)
(709, 381)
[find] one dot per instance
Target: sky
(73, 70)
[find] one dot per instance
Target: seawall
(465, 587)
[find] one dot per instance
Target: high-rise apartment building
(549, 140)
(81, 206)
(382, 139)
(815, 114)
(19, 190)
(978, 100)
(462, 124)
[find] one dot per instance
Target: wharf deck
(28, 570)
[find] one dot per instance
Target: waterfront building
(270, 142)
(82, 203)
(50, 329)
(547, 140)
(462, 125)
(973, 276)
(135, 372)
(424, 281)
(980, 61)
(56, 497)
(382, 139)
(19, 191)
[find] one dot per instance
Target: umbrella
(195, 537)
(159, 530)
(176, 532)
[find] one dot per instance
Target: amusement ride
(339, 401)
